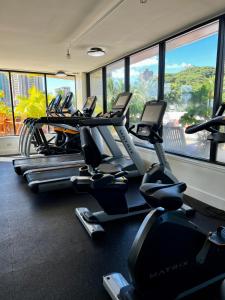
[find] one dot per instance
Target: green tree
(192, 91)
(33, 106)
(4, 109)
(141, 94)
(2, 94)
(114, 87)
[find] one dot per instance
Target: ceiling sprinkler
(68, 55)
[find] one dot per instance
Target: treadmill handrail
(82, 121)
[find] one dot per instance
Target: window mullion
(161, 77)
(11, 95)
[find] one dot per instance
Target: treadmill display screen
(152, 114)
(121, 102)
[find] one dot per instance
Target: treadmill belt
(53, 174)
(47, 159)
(23, 165)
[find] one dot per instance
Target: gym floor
(45, 253)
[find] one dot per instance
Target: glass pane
(189, 89)
(28, 97)
(6, 119)
(143, 84)
(115, 74)
(143, 80)
(96, 89)
(62, 86)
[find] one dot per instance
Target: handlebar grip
(217, 121)
(192, 129)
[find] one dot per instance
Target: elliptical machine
(171, 257)
(110, 189)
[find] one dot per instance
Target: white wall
(205, 181)
(9, 145)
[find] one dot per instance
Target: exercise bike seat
(168, 196)
(107, 168)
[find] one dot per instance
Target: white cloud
(134, 73)
(178, 66)
(119, 73)
(147, 62)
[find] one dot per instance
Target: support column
(81, 89)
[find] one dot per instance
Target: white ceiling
(34, 35)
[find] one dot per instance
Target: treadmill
(27, 125)
(21, 165)
(46, 179)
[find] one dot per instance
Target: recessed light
(95, 51)
(61, 74)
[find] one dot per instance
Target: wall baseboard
(210, 199)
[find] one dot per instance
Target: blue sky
(54, 83)
(200, 53)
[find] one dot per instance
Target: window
(62, 86)
(96, 89)
(143, 80)
(189, 89)
(115, 74)
(28, 97)
(6, 118)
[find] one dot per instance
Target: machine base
(113, 283)
(92, 228)
(102, 217)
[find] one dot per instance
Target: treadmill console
(151, 119)
(89, 105)
(67, 101)
(56, 103)
(120, 106)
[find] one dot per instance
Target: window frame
(9, 74)
(219, 75)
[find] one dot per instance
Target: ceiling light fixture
(61, 74)
(96, 51)
(143, 1)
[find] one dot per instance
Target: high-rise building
(21, 84)
(64, 90)
(4, 86)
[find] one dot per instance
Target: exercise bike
(110, 189)
(171, 257)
